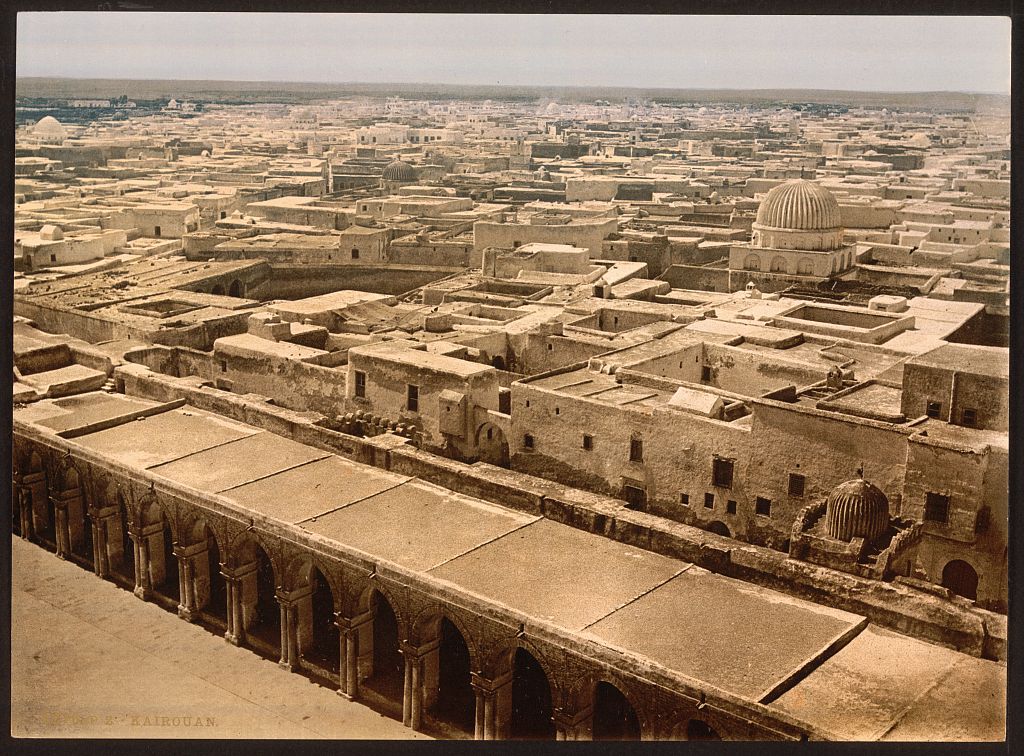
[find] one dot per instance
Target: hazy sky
(896, 53)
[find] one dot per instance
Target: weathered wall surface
(299, 282)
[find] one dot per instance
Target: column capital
(291, 597)
(570, 720)
(182, 551)
(351, 623)
(415, 652)
(236, 572)
(487, 685)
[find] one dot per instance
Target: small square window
(588, 442)
(53, 258)
(763, 506)
(936, 507)
(551, 347)
(360, 384)
(721, 473)
(709, 501)
(796, 484)
(684, 499)
(527, 441)
(705, 373)
(412, 398)
(730, 507)
(636, 450)
(969, 418)
(223, 366)
(933, 409)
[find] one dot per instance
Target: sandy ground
(91, 660)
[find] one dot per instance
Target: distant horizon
(426, 83)
(884, 54)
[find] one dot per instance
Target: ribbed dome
(398, 171)
(50, 127)
(801, 206)
(856, 509)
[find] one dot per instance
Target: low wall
(952, 623)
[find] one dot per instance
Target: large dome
(799, 206)
(398, 172)
(856, 509)
(48, 126)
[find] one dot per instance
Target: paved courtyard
(91, 660)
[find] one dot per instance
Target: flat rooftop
(744, 639)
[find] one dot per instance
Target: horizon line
(535, 86)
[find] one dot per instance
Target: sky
(868, 53)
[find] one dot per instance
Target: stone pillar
(142, 582)
(24, 499)
(417, 677)
(233, 578)
(185, 556)
(493, 706)
(60, 524)
(100, 541)
(289, 601)
(407, 692)
(349, 630)
(144, 538)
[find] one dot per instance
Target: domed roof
(398, 171)
(800, 206)
(49, 126)
(856, 509)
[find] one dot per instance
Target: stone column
(348, 636)
(100, 555)
(142, 582)
(492, 709)
(185, 556)
(60, 525)
(24, 499)
(407, 692)
(235, 633)
(288, 601)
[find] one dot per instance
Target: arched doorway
(78, 523)
(43, 516)
(531, 699)
(388, 676)
(123, 564)
(236, 289)
(614, 716)
(961, 578)
(265, 624)
(492, 447)
(752, 262)
(324, 649)
(164, 564)
(778, 264)
(456, 703)
(498, 362)
(697, 729)
(216, 605)
(719, 528)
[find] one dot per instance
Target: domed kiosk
(797, 232)
(852, 530)
(49, 130)
(856, 509)
(397, 173)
